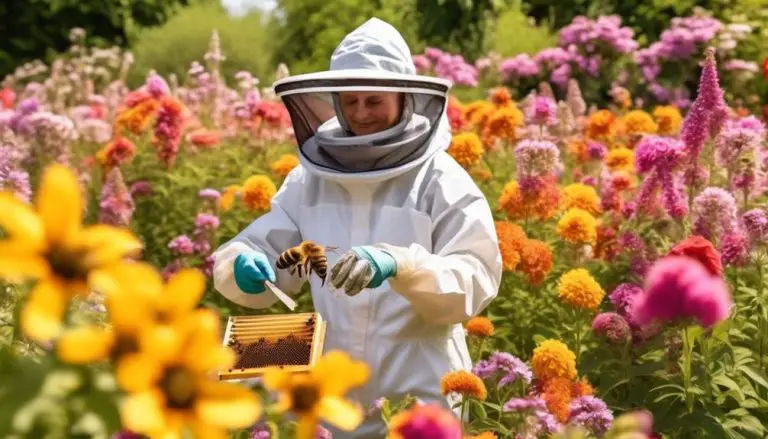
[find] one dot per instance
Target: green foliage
(456, 25)
(172, 47)
(34, 29)
(306, 32)
(514, 33)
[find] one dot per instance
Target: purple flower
(126, 434)
(206, 221)
(260, 431)
(657, 151)
(182, 245)
(322, 433)
(156, 85)
(536, 158)
(622, 296)
(209, 194)
(172, 268)
(141, 188)
(505, 364)
(376, 405)
(707, 113)
(524, 404)
(756, 225)
(518, 67)
(591, 413)
(734, 248)
(612, 326)
(596, 150)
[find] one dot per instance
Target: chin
(364, 131)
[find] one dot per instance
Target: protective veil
(396, 189)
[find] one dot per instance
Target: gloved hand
(251, 270)
(362, 267)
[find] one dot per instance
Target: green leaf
(755, 375)
(728, 383)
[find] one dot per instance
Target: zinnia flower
(613, 327)
(257, 192)
(577, 226)
(553, 359)
(579, 289)
(425, 421)
(464, 383)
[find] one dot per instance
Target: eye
(374, 101)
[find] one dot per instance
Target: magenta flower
(659, 157)
(517, 405)
(678, 287)
(206, 221)
(542, 111)
(756, 225)
(622, 296)
(613, 327)
(182, 245)
(734, 248)
(708, 111)
(141, 188)
(116, 205)
(156, 85)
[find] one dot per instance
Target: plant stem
(687, 353)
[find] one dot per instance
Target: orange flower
(228, 195)
(480, 326)
(511, 240)
(257, 192)
(543, 203)
(117, 152)
(138, 118)
(502, 125)
(203, 138)
(500, 96)
(601, 125)
(578, 150)
(284, 165)
(466, 149)
(582, 388)
(552, 359)
(483, 435)
(465, 383)
(477, 113)
(535, 261)
(481, 173)
(557, 395)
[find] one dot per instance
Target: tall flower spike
(575, 100)
(707, 112)
(546, 90)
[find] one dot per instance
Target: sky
(239, 7)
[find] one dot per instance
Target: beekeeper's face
(370, 112)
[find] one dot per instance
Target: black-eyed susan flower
(49, 243)
(320, 393)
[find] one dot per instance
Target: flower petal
(341, 413)
(337, 373)
(141, 279)
(41, 317)
(106, 244)
(227, 405)
(306, 428)
(59, 202)
(208, 431)
(144, 412)
(204, 358)
(162, 342)
(21, 222)
(86, 344)
(275, 379)
(138, 372)
(184, 291)
(18, 263)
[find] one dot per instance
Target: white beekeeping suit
(397, 189)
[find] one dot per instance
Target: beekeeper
(418, 252)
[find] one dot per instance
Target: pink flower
(612, 326)
(206, 221)
(734, 248)
(182, 245)
(681, 288)
(542, 111)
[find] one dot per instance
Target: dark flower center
(124, 345)
(67, 265)
(304, 397)
(178, 385)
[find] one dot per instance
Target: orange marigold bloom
(483, 435)
(669, 119)
(138, 118)
(511, 240)
(117, 152)
(480, 326)
(500, 96)
(465, 383)
(582, 388)
(535, 261)
(601, 125)
(543, 203)
(477, 113)
(577, 226)
(257, 192)
(284, 165)
(466, 149)
(620, 159)
(228, 195)
(557, 394)
(204, 138)
(502, 125)
(578, 150)
(579, 289)
(552, 359)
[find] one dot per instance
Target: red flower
(702, 250)
(765, 68)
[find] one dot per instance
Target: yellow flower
(51, 245)
(176, 393)
(480, 326)
(483, 435)
(601, 125)
(620, 159)
(669, 119)
(466, 149)
(477, 113)
(228, 196)
(577, 226)
(553, 359)
(465, 383)
(582, 196)
(257, 192)
(320, 393)
(284, 165)
(638, 122)
(502, 124)
(579, 289)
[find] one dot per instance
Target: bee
(307, 255)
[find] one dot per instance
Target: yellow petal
(341, 413)
(163, 342)
(139, 278)
(138, 372)
(337, 373)
(59, 203)
(41, 317)
(208, 358)
(306, 427)
(106, 244)
(127, 312)
(144, 412)
(18, 263)
(227, 405)
(184, 291)
(21, 222)
(207, 431)
(276, 380)
(86, 344)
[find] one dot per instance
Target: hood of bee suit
(373, 57)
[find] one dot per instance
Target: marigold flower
(257, 192)
(478, 112)
(511, 240)
(465, 383)
(668, 118)
(227, 198)
(480, 326)
(601, 125)
(284, 165)
(544, 202)
(577, 226)
(535, 261)
(500, 96)
(582, 196)
(638, 122)
(466, 149)
(116, 153)
(579, 289)
(138, 118)
(582, 388)
(557, 395)
(578, 150)
(483, 435)
(620, 159)
(552, 359)
(502, 124)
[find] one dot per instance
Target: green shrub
(172, 47)
(514, 33)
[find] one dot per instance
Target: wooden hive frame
(249, 329)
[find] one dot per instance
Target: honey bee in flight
(307, 255)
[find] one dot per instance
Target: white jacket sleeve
(460, 277)
(271, 234)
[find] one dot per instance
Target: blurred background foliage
(169, 34)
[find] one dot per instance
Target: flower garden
(633, 231)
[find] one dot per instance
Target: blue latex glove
(363, 267)
(251, 270)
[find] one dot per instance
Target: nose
(361, 111)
